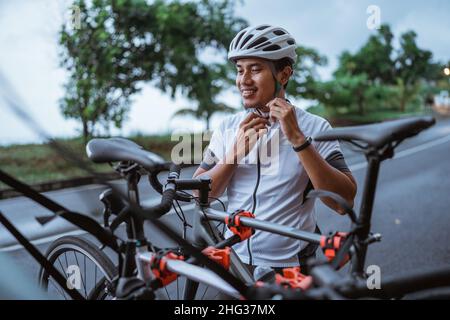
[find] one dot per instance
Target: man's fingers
(248, 118)
(254, 122)
(275, 115)
(262, 132)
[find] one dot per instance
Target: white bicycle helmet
(263, 41)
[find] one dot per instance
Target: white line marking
(43, 240)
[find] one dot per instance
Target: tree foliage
(122, 44)
(378, 76)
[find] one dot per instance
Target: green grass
(39, 163)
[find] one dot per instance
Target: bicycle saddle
(379, 134)
(120, 149)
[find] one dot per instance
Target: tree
(373, 59)
(412, 65)
(305, 76)
(377, 74)
(122, 43)
(98, 89)
(210, 81)
(343, 92)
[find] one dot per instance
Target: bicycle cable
(217, 199)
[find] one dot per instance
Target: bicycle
(117, 149)
(379, 147)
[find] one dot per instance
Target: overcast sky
(29, 54)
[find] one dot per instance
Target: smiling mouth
(248, 92)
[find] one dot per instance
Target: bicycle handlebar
(168, 195)
(154, 181)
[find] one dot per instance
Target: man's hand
(284, 112)
(250, 130)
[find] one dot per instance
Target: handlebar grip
(168, 195)
(160, 209)
(173, 170)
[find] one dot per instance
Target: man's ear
(286, 74)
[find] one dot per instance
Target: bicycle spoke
(67, 263)
(168, 297)
(62, 268)
(84, 285)
(206, 289)
(95, 274)
(64, 274)
(58, 288)
(84, 267)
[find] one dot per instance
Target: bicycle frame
(204, 234)
(362, 226)
(374, 158)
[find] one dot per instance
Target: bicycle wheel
(86, 268)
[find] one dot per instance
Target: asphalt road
(411, 209)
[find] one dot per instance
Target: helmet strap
(278, 85)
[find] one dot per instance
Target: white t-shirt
(280, 193)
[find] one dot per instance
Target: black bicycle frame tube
(396, 286)
(363, 224)
(271, 227)
(136, 225)
(40, 258)
(83, 222)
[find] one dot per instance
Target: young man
(264, 56)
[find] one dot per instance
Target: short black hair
(281, 64)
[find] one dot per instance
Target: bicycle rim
(85, 267)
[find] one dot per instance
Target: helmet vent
(246, 40)
(290, 41)
(257, 42)
(274, 47)
(238, 39)
(262, 28)
(279, 32)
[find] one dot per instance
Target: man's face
(255, 82)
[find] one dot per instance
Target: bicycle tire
(86, 249)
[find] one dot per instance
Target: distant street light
(447, 71)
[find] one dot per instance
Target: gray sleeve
(209, 160)
(337, 161)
